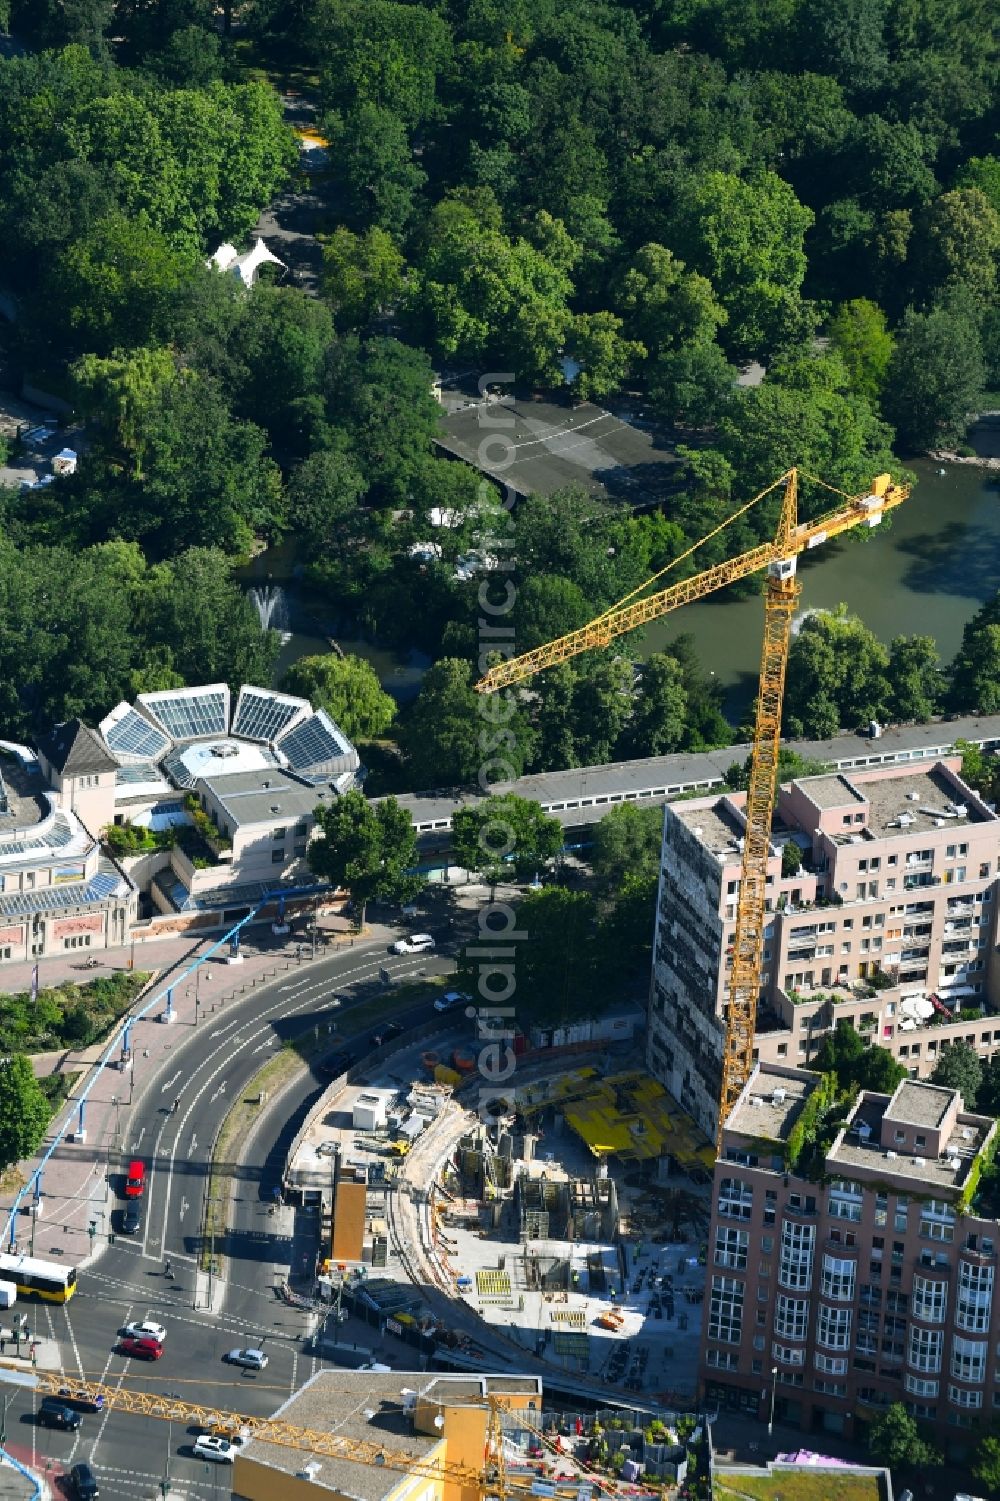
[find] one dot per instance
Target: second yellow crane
(779, 558)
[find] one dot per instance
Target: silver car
(251, 1360)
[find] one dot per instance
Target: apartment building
(887, 918)
(869, 1281)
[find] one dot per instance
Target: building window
(968, 1359)
(723, 1360)
(975, 1293)
(929, 1300)
(735, 1199)
(924, 1352)
(838, 1278)
(831, 1365)
(725, 1317)
(920, 1386)
(845, 1200)
(795, 1265)
(937, 1220)
(791, 1317)
(731, 1248)
(833, 1327)
(788, 1354)
(963, 1398)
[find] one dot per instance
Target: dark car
(84, 1483)
(81, 1399)
(53, 1413)
(130, 1220)
(385, 1034)
(331, 1068)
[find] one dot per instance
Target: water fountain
(271, 604)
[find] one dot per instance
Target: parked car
(250, 1360)
(146, 1329)
(141, 1349)
(130, 1220)
(451, 999)
(82, 1400)
(417, 943)
(385, 1034)
(333, 1067)
(135, 1183)
(54, 1413)
(218, 1450)
(84, 1483)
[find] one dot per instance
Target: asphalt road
(208, 1069)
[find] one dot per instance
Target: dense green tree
(747, 238)
(453, 737)
(279, 347)
(556, 745)
(368, 849)
(692, 385)
(658, 725)
(959, 1068)
(986, 1464)
(837, 676)
(988, 1093)
(627, 843)
(348, 689)
(859, 333)
(935, 378)
(378, 179)
(378, 395)
(362, 274)
(665, 306)
(605, 358)
(503, 833)
(894, 1439)
(24, 1111)
(382, 53)
(916, 683)
(602, 707)
(55, 23)
(123, 392)
(958, 244)
(629, 922)
(980, 769)
(561, 965)
(982, 172)
(856, 1066)
(549, 606)
(321, 503)
(206, 623)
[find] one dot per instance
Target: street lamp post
(774, 1388)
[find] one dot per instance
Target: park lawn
(798, 1485)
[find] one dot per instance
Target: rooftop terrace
(858, 1147)
(770, 1105)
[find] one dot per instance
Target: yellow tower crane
(782, 594)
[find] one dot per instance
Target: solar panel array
(191, 715)
(313, 742)
(178, 773)
(46, 898)
(262, 716)
(138, 772)
(132, 735)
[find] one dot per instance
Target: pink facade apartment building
(871, 1280)
(889, 922)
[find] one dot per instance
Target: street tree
(367, 849)
(347, 688)
(894, 1440)
(24, 1110)
(959, 1068)
(506, 833)
(986, 1463)
(562, 966)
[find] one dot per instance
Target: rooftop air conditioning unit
(779, 1096)
(954, 1163)
(920, 1161)
(864, 1130)
(913, 797)
(309, 1471)
(967, 1135)
(939, 823)
(905, 819)
(891, 1155)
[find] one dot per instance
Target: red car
(135, 1183)
(142, 1349)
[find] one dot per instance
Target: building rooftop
(369, 1406)
(915, 802)
(771, 1103)
(261, 796)
(22, 801)
(340, 1402)
(830, 791)
(919, 1104)
(716, 825)
(858, 1146)
(74, 750)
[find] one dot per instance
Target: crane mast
(781, 598)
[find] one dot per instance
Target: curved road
(131, 1455)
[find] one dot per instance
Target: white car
(146, 1330)
(451, 999)
(252, 1360)
(417, 943)
(219, 1450)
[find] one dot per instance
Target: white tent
(247, 265)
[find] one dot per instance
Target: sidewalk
(75, 1190)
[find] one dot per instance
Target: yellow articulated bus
(39, 1279)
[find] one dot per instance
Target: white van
(417, 943)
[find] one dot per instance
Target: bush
(67, 1015)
